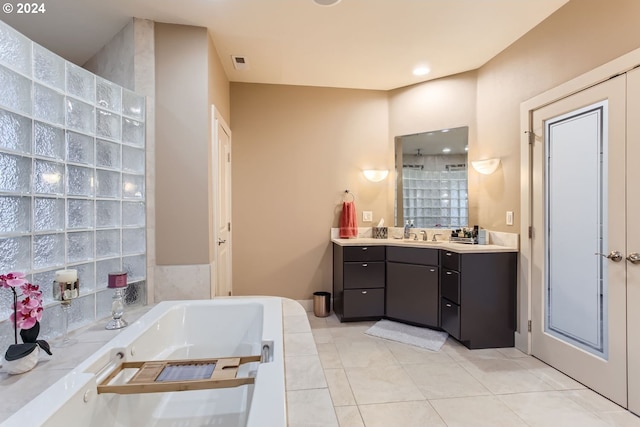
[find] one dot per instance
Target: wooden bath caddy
(179, 375)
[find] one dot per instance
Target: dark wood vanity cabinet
(358, 282)
(412, 285)
(478, 297)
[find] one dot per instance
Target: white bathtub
(177, 330)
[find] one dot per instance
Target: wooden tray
(156, 376)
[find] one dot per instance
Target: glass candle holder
(66, 288)
(118, 282)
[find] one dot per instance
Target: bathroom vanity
(467, 290)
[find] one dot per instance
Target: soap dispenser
(407, 231)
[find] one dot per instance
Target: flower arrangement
(27, 313)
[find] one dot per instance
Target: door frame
(591, 78)
(217, 120)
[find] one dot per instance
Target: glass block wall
(72, 156)
(435, 191)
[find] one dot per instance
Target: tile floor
(371, 382)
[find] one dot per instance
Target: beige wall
(295, 150)
(182, 145)
(115, 61)
(580, 36)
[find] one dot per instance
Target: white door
(578, 213)
(633, 237)
(222, 223)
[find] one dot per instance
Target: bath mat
(407, 334)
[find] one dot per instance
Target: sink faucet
(424, 235)
(415, 236)
(434, 237)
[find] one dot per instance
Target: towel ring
(348, 193)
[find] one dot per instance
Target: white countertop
(462, 248)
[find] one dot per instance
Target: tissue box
(380, 232)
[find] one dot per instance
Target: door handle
(634, 258)
(221, 241)
(614, 256)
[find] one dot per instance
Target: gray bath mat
(407, 334)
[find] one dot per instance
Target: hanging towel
(348, 220)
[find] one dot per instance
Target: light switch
(367, 216)
(509, 217)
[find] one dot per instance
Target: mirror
(431, 179)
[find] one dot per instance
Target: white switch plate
(367, 216)
(509, 217)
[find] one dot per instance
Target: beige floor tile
(592, 401)
(322, 336)
(620, 419)
(437, 381)
(406, 354)
(304, 372)
(295, 324)
(310, 408)
(550, 375)
(548, 409)
(352, 331)
(504, 376)
(512, 352)
(329, 356)
(405, 414)
(339, 387)
(481, 411)
(300, 344)
(317, 322)
(354, 353)
(381, 385)
(292, 308)
(349, 416)
(460, 353)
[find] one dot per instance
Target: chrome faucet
(424, 235)
(415, 236)
(434, 237)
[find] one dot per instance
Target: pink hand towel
(348, 220)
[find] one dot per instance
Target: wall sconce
(486, 167)
(375, 175)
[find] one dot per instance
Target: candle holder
(117, 281)
(66, 288)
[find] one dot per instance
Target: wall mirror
(431, 178)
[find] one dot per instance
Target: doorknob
(614, 256)
(634, 258)
(221, 241)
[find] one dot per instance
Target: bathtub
(222, 327)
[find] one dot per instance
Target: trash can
(321, 304)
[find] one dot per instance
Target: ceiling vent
(240, 62)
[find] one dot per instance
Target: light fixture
(326, 2)
(421, 71)
(487, 166)
(375, 175)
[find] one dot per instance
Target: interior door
(633, 238)
(223, 283)
(578, 213)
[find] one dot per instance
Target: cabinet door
(363, 303)
(412, 293)
(363, 275)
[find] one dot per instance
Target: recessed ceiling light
(326, 2)
(446, 150)
(421, 71)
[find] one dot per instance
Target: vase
(21, 358)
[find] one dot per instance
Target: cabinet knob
(364, 249)
(364, 292)
(364, 265)
(449, 273)
(448, 253)
(448, 305)
(432, 270)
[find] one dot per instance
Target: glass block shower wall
(72, 156)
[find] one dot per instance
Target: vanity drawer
(364, 275)
(364, 253)
(450, 260)
(421, 256)
(450, 285)
(450, 317)
(363, 303)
